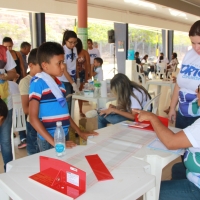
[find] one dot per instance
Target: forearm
(174, 100)
(74, 126)
(10, 75)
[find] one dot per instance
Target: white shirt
(13, 89)
(94, 53)
(164, 60)
(99, 75)
(141, 97)
(10, 61)
(71, 65)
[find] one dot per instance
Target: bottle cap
(59, 123)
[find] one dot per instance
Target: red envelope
(99, 168)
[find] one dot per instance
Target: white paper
(73, 178)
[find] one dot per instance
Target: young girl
(69, 76)
(129, 95)
(83, 63)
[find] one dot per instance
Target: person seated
(140, 65)
(171, 67)
(185, 182)
(97, 71)
(129, 95)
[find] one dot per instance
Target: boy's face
(55, 67)
(34, 69)
(96, 64)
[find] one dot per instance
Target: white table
(157, 159)
(100, 101)
(131, 176)
(159, 83)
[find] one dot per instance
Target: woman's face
(195, 40)
(71, 43)
(9, 45)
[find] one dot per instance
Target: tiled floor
(87, 106)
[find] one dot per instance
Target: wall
(59, 7)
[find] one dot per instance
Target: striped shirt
(50, 111)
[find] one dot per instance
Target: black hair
(32, 56)
(136, 53)
(175, 55)
(66, 35)
(7, 39)
(47, 50)
(146, 56)
(25, 45)
(195, 29)
(3, 109)
(89, 40)
(99, 60)
(160, 58)
(79, 45)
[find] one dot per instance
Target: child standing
(97, 71)
(31, 138)
(47, 98)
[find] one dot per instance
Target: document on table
(158, 145)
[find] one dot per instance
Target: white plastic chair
(18, 119)
(161, 68)
(155, 102)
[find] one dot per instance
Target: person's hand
(70, 144)
(111, 106)
(85, 135)
(106, 111)
(75, 88)
(172, 115)
(143, 115)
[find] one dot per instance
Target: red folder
(100, 170)
(61, 176)
(150, 127)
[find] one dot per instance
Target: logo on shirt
(93, 55)
(69, 56)
(190, 72)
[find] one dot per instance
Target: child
(3, 111)
(129, 95)
(47, 98)
(31, 139)
(97, 71)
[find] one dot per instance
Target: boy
(47, 103)
(97, 71)
(3, 111)
(31, 139)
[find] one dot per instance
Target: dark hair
(89, 40)
(68, 34)
(24, 45)
(79, 45)
(195, 29)
(145, 57)
(175, 55)
(47, 50)
(32, 58)
(161, 53)
(7, 39)
(99, 60)
(136, 53)
(160, 58)
(3, 109)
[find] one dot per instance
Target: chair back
(162, 67)
(18, 119)
(155, 102)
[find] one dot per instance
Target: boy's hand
(70, 144)
(85, 135)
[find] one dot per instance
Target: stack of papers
(135, 124)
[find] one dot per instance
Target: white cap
(59, 123)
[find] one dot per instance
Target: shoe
(22, 144)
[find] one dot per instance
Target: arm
(36, 123)
(11, 74)
(25, 103)
(69, 78)
(167, 137)
(93, 73)
(22, 68)
(174, 101)
(83, 135)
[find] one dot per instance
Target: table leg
(3, 195)
(72, 108)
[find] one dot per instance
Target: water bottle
(59, 139)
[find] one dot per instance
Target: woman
(171, 67)
(83, 69)
(129, 95)
(7, 64)
(185, 182)
(69, 77)
(187, 82)
(7, 42)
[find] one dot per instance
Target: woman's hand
(106, 111)
(111, 106)
(172, 115)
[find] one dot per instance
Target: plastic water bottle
(59, 139)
